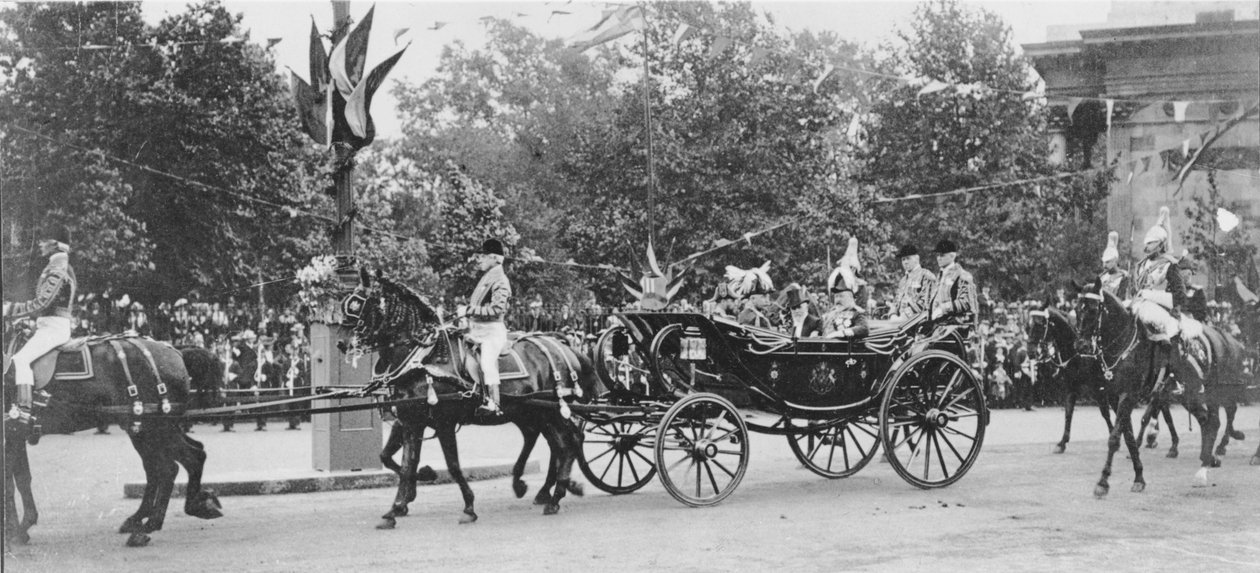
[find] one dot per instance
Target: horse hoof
(386, 523)
(1236, 435)
(543, 498)
(519, 488)
(1220, 451)
(1172, 453)
(576, 488)
(1201, 478)
(426, 474)
(1100, 490)
(1216, 462)
(1255, 460)
(401, 511)
(1058, 449)
(551, 509)
(1151, 444)
(467, 517)
(138, 540)
(1138, 487)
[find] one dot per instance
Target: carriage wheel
(702, 449)
(617, 375)
(933, 419)
(668, 369)
(613, 457)
(838, 451)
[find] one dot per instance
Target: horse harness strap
(561, 391)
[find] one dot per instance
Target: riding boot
(1191, 353)
(491, 406)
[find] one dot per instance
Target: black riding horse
(1135, 367)
(404, 330)
(120, 365)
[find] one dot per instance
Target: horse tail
(205, 371)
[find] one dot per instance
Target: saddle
(70, 361)
(511, 367)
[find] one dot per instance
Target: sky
(866, 22)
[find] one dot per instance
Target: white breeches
(1157, 319)
(492, 336)
(50, 332)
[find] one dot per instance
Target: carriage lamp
(694, 347)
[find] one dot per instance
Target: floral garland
(321, 289)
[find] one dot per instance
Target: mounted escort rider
(486, 308)
(1113, 279)
(52, 309)
(916, 285)
(1160, 295)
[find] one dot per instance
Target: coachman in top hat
(486, 308)
(52, 309)
(954, 301)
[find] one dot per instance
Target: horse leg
(1209, 423)
(563, 444)
(1150, 419)
(17, 478)
(519, 487)
(1124, 410)
(1069, 406)
(135, 523)
(169, 441)
(392, 445)
(450, 451)
(1139, 482)
(1231, 410)
(197, 502)
(1172, 430)
(410, 442)
(1255, 458)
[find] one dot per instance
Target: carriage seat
(881, 328)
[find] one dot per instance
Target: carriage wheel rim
(701, 458)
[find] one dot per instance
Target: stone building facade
(1175, 74)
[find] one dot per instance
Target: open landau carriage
(704, 382)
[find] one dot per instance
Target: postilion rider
(52, 309)
(486, 308)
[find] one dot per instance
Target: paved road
(1020, 508)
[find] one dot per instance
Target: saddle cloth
(511, 367)
(70, 361)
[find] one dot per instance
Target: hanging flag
(349, 57)
(1111, 106)
(435, 26)
(313, 108)
(398, 32)
(1226, 220)
(684, 30)
(719, 45)
(1146, 164)
(1179, 111)
(826, 72)
(359, 104)
(271, 42)
(757, 55)
(613, 25)
(555, 12)
(932, 86)
(1072, 104)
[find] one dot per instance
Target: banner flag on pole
(399, 32)
(614, 24)
(359, 104)
(349, 57)
(683, 31)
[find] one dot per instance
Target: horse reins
(1101, 355)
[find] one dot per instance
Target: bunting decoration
(614, 24)
(826, 72)
(313, 99)
(655, 288)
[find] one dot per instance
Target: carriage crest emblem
(822, 379)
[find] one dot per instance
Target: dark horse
(404, 330)
(1053, 340)
(119, 364)
(1135, 368)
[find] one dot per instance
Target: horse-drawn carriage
(701, 384)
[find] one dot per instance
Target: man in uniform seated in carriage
(52, 308)
(954, 300)
(916, 285)
(752, 286)
(846, 319)
(800, 323)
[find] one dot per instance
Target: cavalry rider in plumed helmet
(52, 309)
(1113, 279)
(916, 285)
(1160, 295)
(954, 300)
(486, 308)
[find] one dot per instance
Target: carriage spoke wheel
(616, 455)
(932, 420)
(838, 451)
(620, 374)
(702, 449)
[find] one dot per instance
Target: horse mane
(405, 311)
(1113, 303)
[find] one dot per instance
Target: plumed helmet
(907, 251)
(850, 264)
(741, 283)
(1110, 253)
(1161, 231)
(945, 246)
(491, 246)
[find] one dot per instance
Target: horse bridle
(1100, 353)
(1041, 341)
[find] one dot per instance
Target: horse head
(390, 318)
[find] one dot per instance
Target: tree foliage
(131, 125)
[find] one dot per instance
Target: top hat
(907, 251)
(55, 232)
(491, 246)
(794, 298)
(945, 246)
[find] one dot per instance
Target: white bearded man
(1160, 294)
